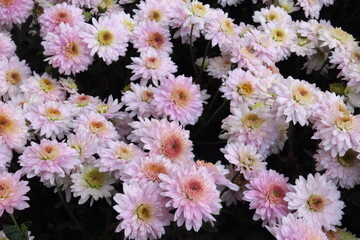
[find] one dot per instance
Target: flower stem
(22, 230)
(216, 112)
(204, 57)
(191, 50)
(68, 210)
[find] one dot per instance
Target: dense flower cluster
(88, 147)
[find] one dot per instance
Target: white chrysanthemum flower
(317, 200)
(107, 38)
(89, 182)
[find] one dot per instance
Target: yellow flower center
(48, 152)
(278, 35)
(53, 114)
(252, 120)
(180, 97)
(94, 178)
(144, 211)
(199, 10)
(147, 96)
(272, 16)
(5, 191)
(123, 152)
(227, 26)
(344, 122)
(46, 85)
(6, 125)
(155, 15)
(83, 101)
(72, 49)
(152, 171)
(302, 94)
(349, 158)
(97, 126)
(341, 35)
(245, 88)
(102, 108)
(316, 203)
(105, 37)
(13, 77)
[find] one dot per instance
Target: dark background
(49, 219)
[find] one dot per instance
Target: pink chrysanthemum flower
(69, 85)
(83, 144)
(6, 155)
(12, 73)
(153, 10)
(152, 65)
(96, 126)
(15, 11)
(271, 14)
(266, 194)
(244, 55)
(107, 38)
(343, 170)
(242, 88)
(139, 101)
(116, 157)
(67, 50)
(141, 211)
(295, 99)
(317, 200)
(12, 192)
(89, 182)
(311, 7)
(220, 29)
(295, 228)
(13, 129)
(192, 192)
(51, 119)
(338, 132)
(151, 35)
(146, 169)
(81, 103)
(7, 46)
(45, 87)
(65, 13)
(245, 158)
(334, 37)
(167, 139)
(251, 127)
(48, 160)
(180, 99)
(219, 66)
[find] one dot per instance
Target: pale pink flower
(311, 7)
(343, 170)
(51, 119)
(7, 46)
(45, 87)
(334, 37)
(83, 144)
(219, 66)
(153, 10)
(12, 192)
(13, 129)
(69, 85)
(48, 160)
(12, 73)
(66, 50)
(338, 132)
(271, 14)
(151, 35)
(167, 139)
(180, 99)
(146, 169)
(117, 156)
(192, 192)
(243, 53)
(89, 182)
(246, 159)
(141, 211)
(15, 12)
(233, 197)
(295, 99)
(151, 65)
(81, 103)
(317, 200)
(220, 29)
(294, 228)
(251, 127)
(65, 13)
(106, 37)
(266, 193)
(96, 126)
(139, 101)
